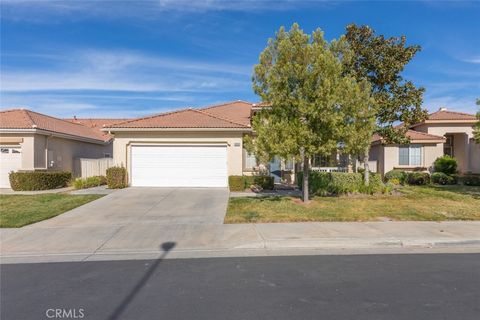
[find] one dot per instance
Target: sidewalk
(143, 241)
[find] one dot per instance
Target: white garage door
(179, 166)
(10, 160)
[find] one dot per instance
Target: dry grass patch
(420, 203)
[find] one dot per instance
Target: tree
(381, 60)
(477, 125)
(314, 103)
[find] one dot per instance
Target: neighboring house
(185, 148)
(34, 141)
(443, 133)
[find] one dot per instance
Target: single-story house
(442, 133)
(185, 148)
(33, 141)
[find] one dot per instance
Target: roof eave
(54, 133)
(176, 129)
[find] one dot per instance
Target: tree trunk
(306, 169)
(366, 174)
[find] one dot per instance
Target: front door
(275, 169)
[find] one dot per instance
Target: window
(448, 145)
(250, 161)
(289, 164)
(107, 155)
(410, 155)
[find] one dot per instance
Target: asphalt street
(419, 286)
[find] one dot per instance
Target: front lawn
(421, 203)
(19, 210)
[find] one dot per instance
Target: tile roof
(232, 115)
(443, 114)
(97, 123)
(413, 136)
(27, 119)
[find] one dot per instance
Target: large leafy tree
(477, 125)
(381, 61)
(314, 104)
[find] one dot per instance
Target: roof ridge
(28, 116)
(52, 117)
(220, 118)
(449, 111)
(223, 104)
(152, 116)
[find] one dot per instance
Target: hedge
(240, 183)
(95, 181)
(442, 178)
(39, 180)
(116, 177)
(471, 179)
(418, 178)
(337, 183)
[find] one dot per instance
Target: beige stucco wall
(462, 141)
(62, 151)
(474, 156)
(390, 154)
(234, 140)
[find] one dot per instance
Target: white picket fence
(85, 168)
(330, 169)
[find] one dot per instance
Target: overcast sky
(125, 59)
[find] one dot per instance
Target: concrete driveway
(147, 206)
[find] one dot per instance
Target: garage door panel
(10, 160)
(179, 166)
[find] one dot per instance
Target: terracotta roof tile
(186, 118)
(27, 119)
(450, 115)
(229, 115)
(98, 124)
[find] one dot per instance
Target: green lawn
(19, 210)
(422, 203)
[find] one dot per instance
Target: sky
(112, 59)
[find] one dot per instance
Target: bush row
(117, 177)
(337, 183)
(39, 180)
(95, 181)
(240, 183)
(422, 178)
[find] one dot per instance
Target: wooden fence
(85, 168)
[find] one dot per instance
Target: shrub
(396, 175)
(375, 184)
(471, 179)
(116, 177)
(342, 183)
(442, 178)
(266, 182)
(418, 178)
(95, 181)
(445, 164)
(39, 180)
(323, 183)
(240, 183)
(236, 183)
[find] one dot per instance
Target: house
(33, 141)
(442, 133)
(185, 148)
